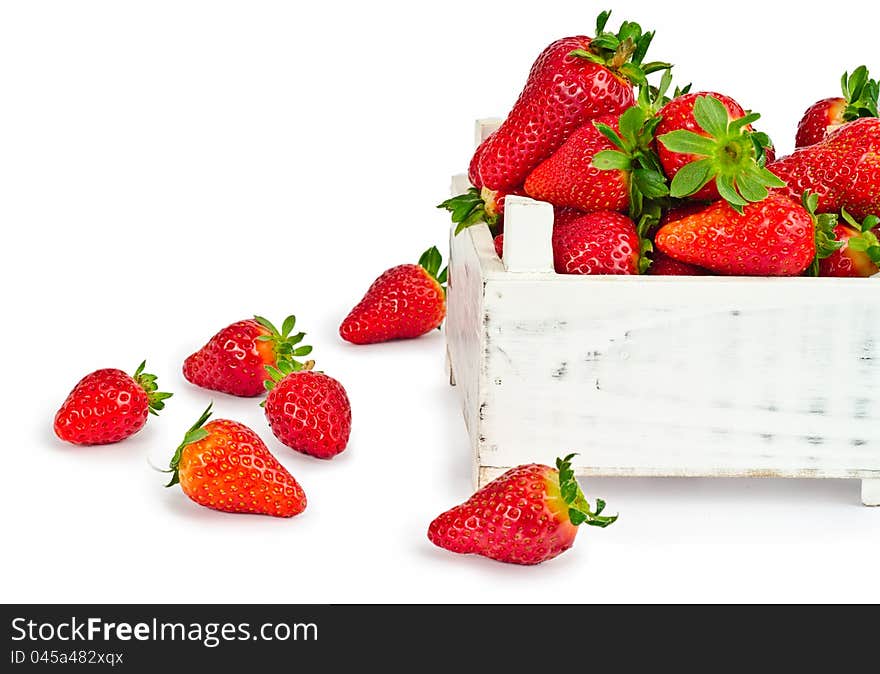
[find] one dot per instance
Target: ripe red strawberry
(663, 265)
(224, 465)
(843, 170)
(859, 252)
(308, 411)
(405, 302)
(234, 359)
(708, 149)
(107, 406)
(527, 516)
(575, 79)
(569, 178)
(598, 243)
(774, 237)
(499, 245)
(859, 100)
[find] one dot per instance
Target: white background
(167, 168)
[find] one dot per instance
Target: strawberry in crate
(859, 100)
(573, 81)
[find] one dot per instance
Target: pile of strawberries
(648, 183)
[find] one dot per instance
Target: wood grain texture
(666, 376)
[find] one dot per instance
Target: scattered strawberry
(859, 252)
(234, 359)
(308, 411)
(843, 170)
(663, 265)
(224, 465)
(598, 243)
(527, 516)
(405, 302)
(774, 237)
(107, 406)
(859, 100)
(708, 149)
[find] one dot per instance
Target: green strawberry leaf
(691, 178)
(727, 190)
(579, 510)
(608, 160)
(651, 183)
(683, 141)
(711, 115)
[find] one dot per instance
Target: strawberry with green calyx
(234, 359)
(707, 147)
(527, 516)
(405, 302)
(773, 237)
(224, 465)
(109, 405)
(857, 253)
(308, 411)
(859, 100)
(608, 164)
(574, 80)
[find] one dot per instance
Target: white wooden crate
(659, 376)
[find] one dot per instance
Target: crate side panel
(464, 326)
(747, 377)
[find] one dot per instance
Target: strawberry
(224, 465)
(574, 80)
(859, 100)
(405, 302)
(708, 149)
(527, 516)
(598, 243)
(859, 252)
(107, 406)
(663, 265)
(843, 170)
(479, 205)
(308, 411)
(568, 177)
(499, 245)
(773, 237)
(234, 359)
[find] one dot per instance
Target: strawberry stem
(194, 434)
(579, 510)
(285, 344)
(469, 209)
(156, 399)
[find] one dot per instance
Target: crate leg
(871, 492)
